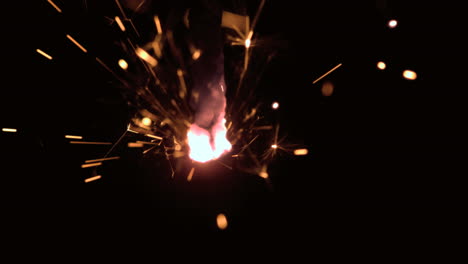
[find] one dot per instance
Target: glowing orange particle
(410, 75)
(381, 65)
(221, 221)
(146, 121)
(392, 23)
(275, 105)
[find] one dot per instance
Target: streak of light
(44, 54)
(103, 159)
(196, 54)
(88, 165)
(119, 22)
(381, 65)
(300, 152)
(263, 128)
(123, 64)
(92, 178)
(221, 221)
(190, 175)
(275, 105)
(135, 145)
(76, 43)
(73, 137)
(146, 143)
(158, 24)
(327, 73)
(121, 9)
(55, 6)
(90, 143)
(146, 121)
(327, 88)
(392, 23)
(11, 130)
(410, 75)
(183, 87)
(153, 136)
(247, 43)
(274, 146)
(146, 57)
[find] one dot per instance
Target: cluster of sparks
(164, 124)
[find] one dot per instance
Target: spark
(183, 87)
(153, 136)
(392, 23)
(190, 175)
(247, 43)
(274, 146)
(275, 105)
(381, 65)
(158, 24)
(123, 64)
(146, 121)
(327, 73)
(221, 221)
(44, 54)
(119, 22)
(11, 130)
(55, 6)
(146, 57)
(103, 159)
(205, 145)
(301, 152)
(263, 174)
(88, 165)
(196, 54)
(135, 145)
(410, 75)
(92, 178)
(90, 143)
(76, 43)
(73, 137)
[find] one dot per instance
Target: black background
(382, 150)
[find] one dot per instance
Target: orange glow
(135, 145)
(275, 105)
(300, 152)
(103, 159)
(410, 75)
(392, 23)
(247, 43)
(91, 165)
(44, 54)
(119, 22)
(381, 65)
(76, 43)
(274, 146)
(73, 137)
(221, 221)
(327, 88)
(146, 121)
(158, 24)
(190, 175)
(93, 178)
(12, 130)
(328, 72)
(206, 146)
(146, 57)
(196, 54)
(263, 174)
(123, 64)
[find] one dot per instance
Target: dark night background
(382, 150)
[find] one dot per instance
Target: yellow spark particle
(328, 72)
(158, 24)
(274, 146)
(381, 65)
(190, 175)
(55, 6)
(146, 57)
(44, 54)
(146, 121)
(247, 43)
(91, 165)
(11, 130)
(221, 221)
(135, 145)
(93, 178)
(103, 159)
(410, 75)
(123, 64)
(327, 88)
(153, 136)
(392, 23)
(119, 22)
(300, 152)
(263, 174)
(73, 137)
(76, 43)
(196, 54)
(275, 105)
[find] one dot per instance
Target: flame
(206, 146)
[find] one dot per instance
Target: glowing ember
(275, 105)
(381, 65)
(410, 75)
(205, 145)
(392, 23)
